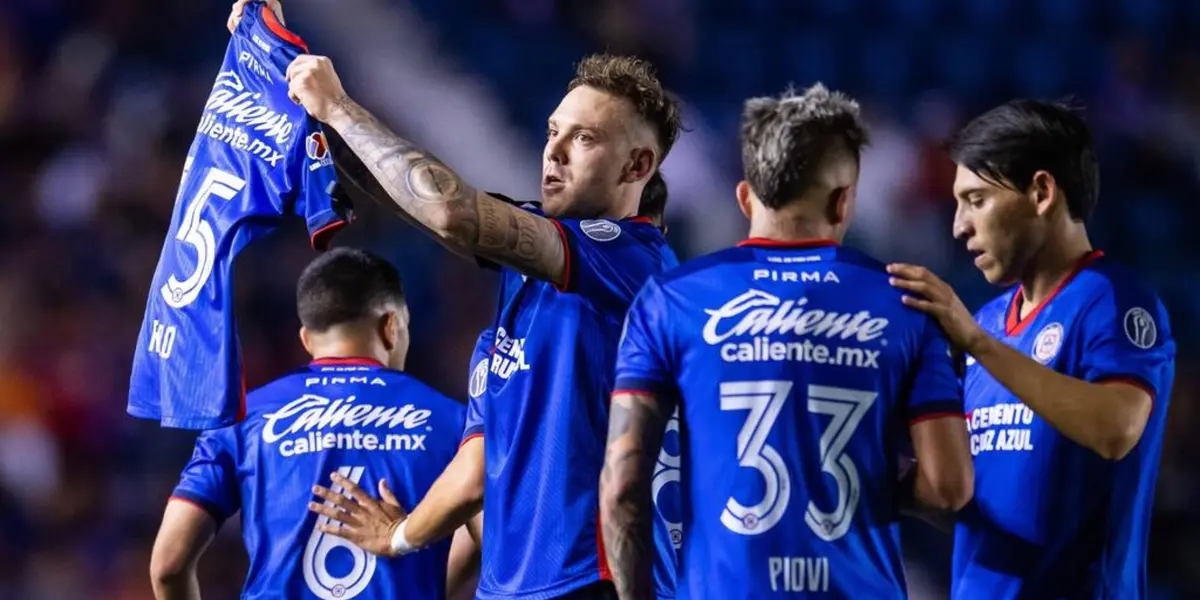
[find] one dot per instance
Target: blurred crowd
(99, 100)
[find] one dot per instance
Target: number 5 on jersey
(765, 400)
(198, 233)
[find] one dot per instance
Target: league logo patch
(1047, 342)
(318, 151)
(600, 230)
(479, 378)
(1140, 328)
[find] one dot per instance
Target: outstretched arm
(453, 499)
(424, 189)
(635, 432)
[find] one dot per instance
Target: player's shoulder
(1110, 290)
(703, 265)
(1106, 278)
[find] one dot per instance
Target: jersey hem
(641, 385)
(547, 593)
(177, 423)
(470, 435)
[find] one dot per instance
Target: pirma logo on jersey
(304, 420)
(1047, 342)
(1140, 328)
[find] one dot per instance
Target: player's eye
(550, 133)
(585, 137)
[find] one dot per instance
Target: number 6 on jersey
(765, 400)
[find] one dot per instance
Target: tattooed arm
(635, 432)
(424, 189)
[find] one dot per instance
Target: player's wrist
(400, 544)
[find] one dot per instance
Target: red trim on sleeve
(1014, 324)
(469, 438)
(345, 360)
(562, 233)
(278, 29)
(241, 414)
(640, 220)
(936, 415)
(601, 553)
(1135, 382)
(758, 242)
(192, 502)
(633, 392)
(319, 239)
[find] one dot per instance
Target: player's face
(588, 150)
(1000, 226)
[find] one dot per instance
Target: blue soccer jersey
(477, 379)
(352, 416)
(1050, 518)
(545, 414)
(668, 503)
(796, 370)
(256, 157)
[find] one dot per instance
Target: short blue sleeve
(210, 478)
(642, 355)
(1127, 337)
(935, 387)
(324, 208)
(607, 261)
(477, 384)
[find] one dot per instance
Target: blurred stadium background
(99, 99)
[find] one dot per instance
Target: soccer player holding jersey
(570, 268)
(1068, 373)
(351, 411)
(797, 372)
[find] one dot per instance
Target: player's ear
(837, 209)
(1044, 193)
(743, 195)
(389, 329)
(306, 340)
(641, 165)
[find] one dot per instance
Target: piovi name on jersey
(760, 315)
(312, 423)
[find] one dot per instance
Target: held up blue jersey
(796, 370)
(352, 416)
(1050, 518)
(545, 412)
(256, 157)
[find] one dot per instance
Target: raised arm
(424, 189)
(635, 431)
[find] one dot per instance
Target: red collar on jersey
(758, 242)
(1014, 324)
(361, 361)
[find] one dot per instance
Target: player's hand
(360, 518)
(938, 299)
(239, 8)
(313, 83)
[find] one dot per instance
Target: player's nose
(556, 151)
(962, 227)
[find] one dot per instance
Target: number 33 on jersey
(256, 158)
